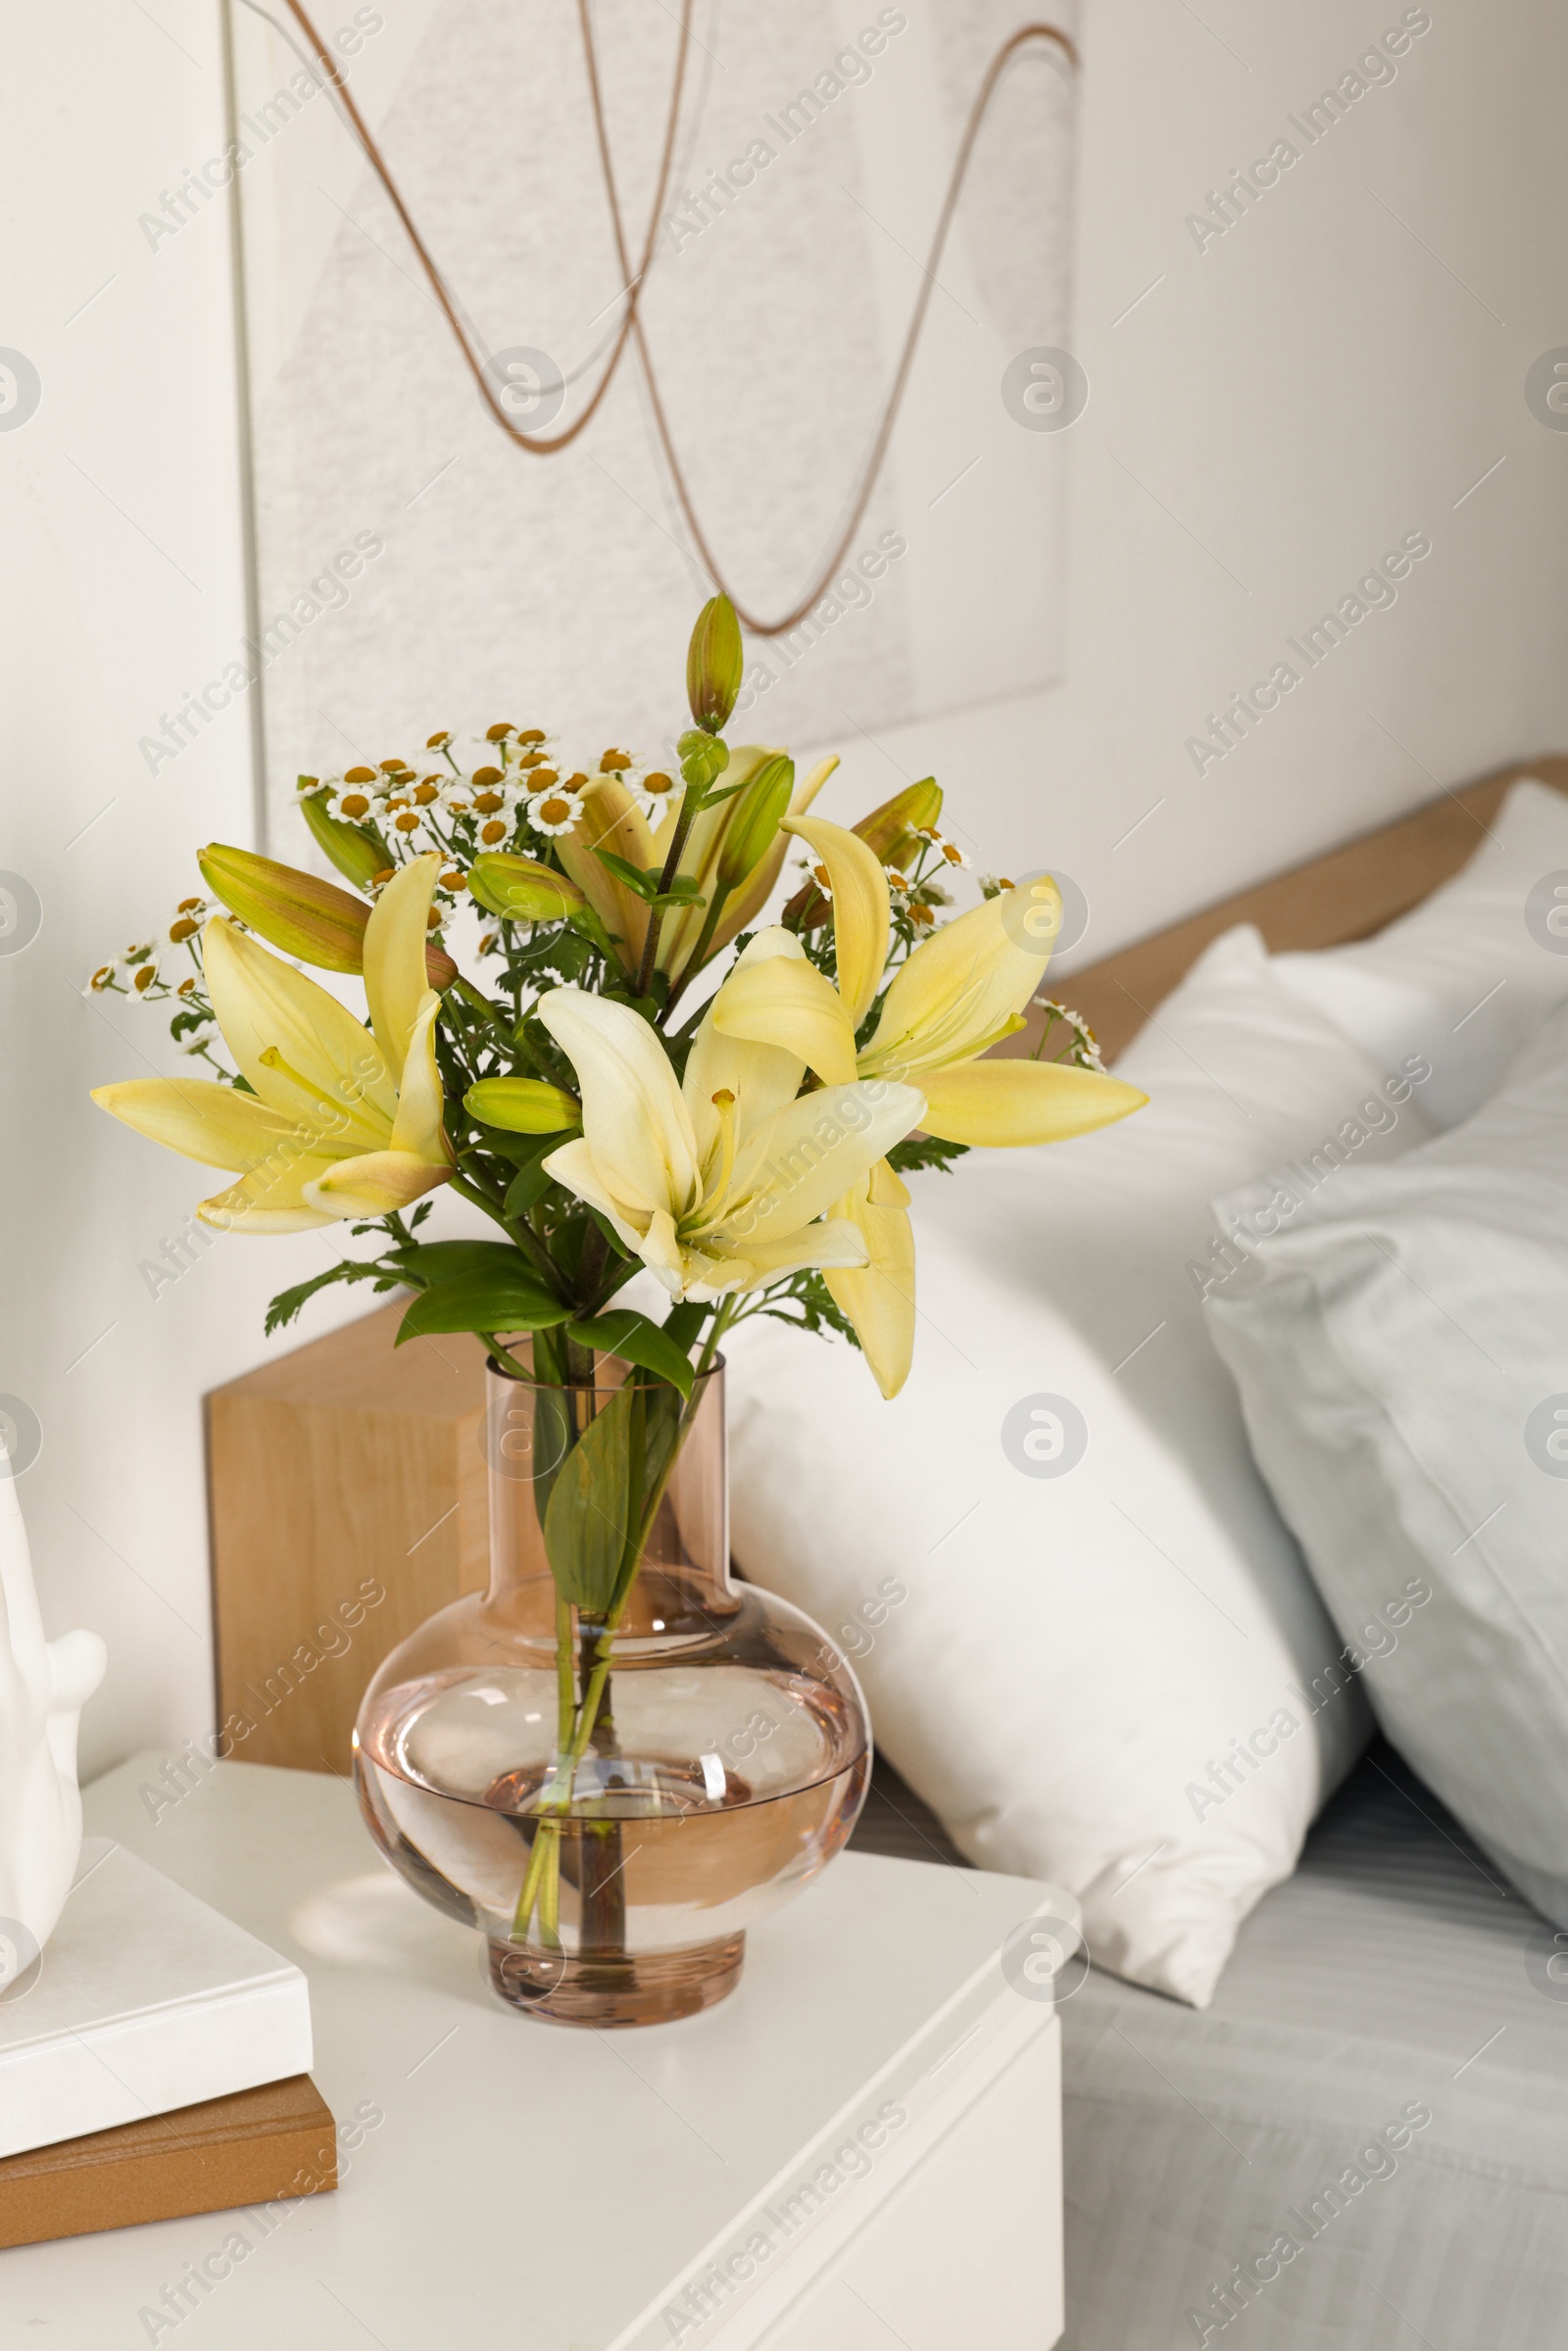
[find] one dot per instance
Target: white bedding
(1394, 1970)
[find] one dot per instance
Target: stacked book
(153, 2063)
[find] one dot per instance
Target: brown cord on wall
(631, 325)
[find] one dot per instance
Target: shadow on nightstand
(897, 1823)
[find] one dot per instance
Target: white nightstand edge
(934, 2077)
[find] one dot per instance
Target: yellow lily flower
(718, 1184)
(338, 1123)
(611, 819)
(961, 991)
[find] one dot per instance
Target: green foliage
(805, 1302)
(924, 1150)
(288, 1304)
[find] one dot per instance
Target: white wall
(121, 590)
(1277, 412)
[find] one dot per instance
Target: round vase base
(648, 1987)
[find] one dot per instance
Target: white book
(144, 2000)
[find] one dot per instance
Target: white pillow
(1059, 1651)
(1465, 976)
(1401, 1348)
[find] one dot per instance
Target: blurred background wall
(1282, 387)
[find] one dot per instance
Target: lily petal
(880, 1299)
(339, 1081)
(417, 1126)
(373, 1185)
(763, 1077)
(576, 1166)
(633, 1118)
(207, 1122)
(860, 888)
(792, 1005)
(394, 980)
(835, 1242)
(813, 1153)
(998, 1102)
(269, 1200)
(961, 987)
(611, 819)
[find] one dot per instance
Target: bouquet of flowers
(593, 1092)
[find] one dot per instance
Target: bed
(1395, 1989)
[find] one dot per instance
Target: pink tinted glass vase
(612, 1798)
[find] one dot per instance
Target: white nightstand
(859, 2149)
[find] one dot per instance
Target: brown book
(250, 2148)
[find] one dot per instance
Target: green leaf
(426, 1262)
(288, 1302)
(531, 1182)
(636, 1340)
(644, 884)
(589, 1514)
(515, 1300)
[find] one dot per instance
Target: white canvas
(414, 570)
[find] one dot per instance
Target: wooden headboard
(1348, 893)
(348, 1498)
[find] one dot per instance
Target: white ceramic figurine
(43, 1688)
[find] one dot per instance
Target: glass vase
(615, 1759)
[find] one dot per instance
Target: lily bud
(303, 915)
(522, 1105)
(889, 831)
(755, 816)
(311, 920)
(702, 757)
(356, 850)
(520, 889)
(714, 660)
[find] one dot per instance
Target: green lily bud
(520, 890)
(312, 919)
(702, 757)
(715, 662)
(755, 818)
(522, 1105)
(298, 912)
(889, 831)
(356, 850)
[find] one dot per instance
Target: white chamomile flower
(654, 790)
(555, 811)
(949, 848)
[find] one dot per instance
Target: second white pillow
(1088, 1639)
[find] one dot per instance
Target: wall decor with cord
(833, 243)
